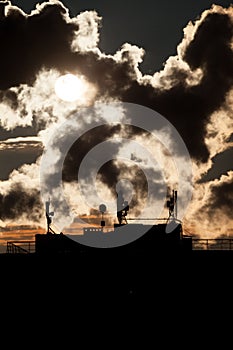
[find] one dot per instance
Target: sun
(70, 88)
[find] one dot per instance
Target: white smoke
(40, 102)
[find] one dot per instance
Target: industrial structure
(165, 236)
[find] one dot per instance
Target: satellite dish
(102, 208)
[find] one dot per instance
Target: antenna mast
(48, 215)
(172, 205)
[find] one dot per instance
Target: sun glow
(70, 88)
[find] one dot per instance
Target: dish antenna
(102, 209)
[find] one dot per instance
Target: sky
(173, 58)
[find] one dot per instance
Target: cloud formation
(193, 91)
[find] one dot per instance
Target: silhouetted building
(156, 239)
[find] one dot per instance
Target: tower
(172, 205)
(122, 208)
(48, 215)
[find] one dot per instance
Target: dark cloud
(111, 172)
(112, 78)
(20, 202)
(210, 49)
(188, 108)
(221, 199)
(222, 163)
(43, 40)
(10, 98)
(23, 131)
(82, 146)
(14, 156)
(230, 139)
(29, 43)
(183, 107)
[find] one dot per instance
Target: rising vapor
(193, 92)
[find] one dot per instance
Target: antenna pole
(176, 204)
(48, 215)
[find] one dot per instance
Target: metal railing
(20, 247)
(212, 243)
(27, 247)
